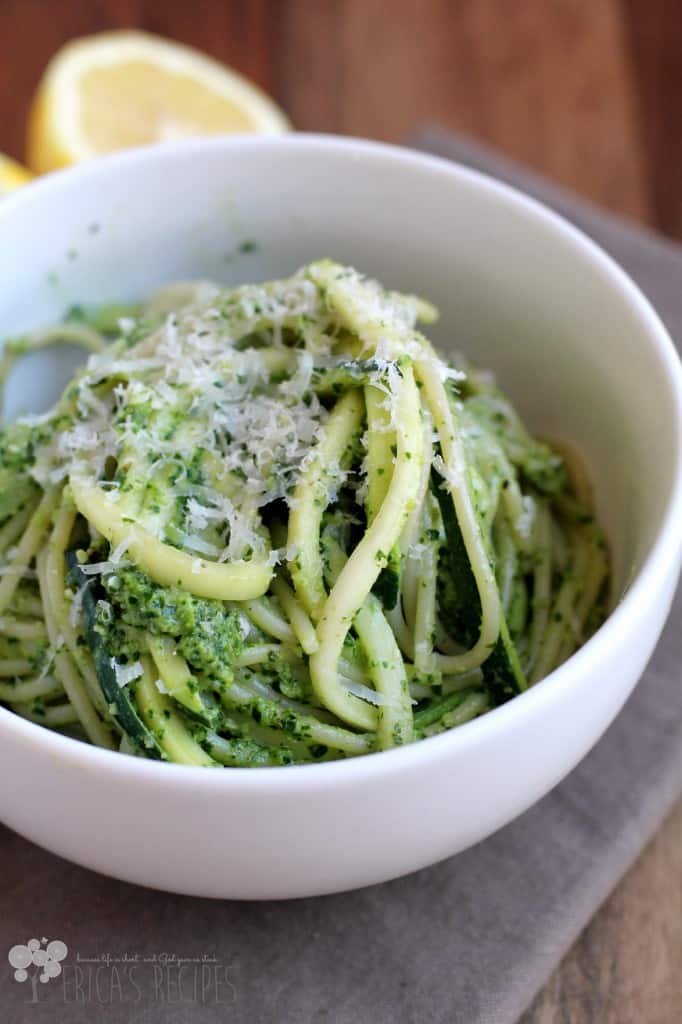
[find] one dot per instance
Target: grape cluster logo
(40, 954)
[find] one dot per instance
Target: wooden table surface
(588, 92)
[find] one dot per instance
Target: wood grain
(586, 91)
(625, 969)
(241, 34)
(546, 80)
(654, 34)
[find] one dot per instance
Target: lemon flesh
(12, 175)
(121, 89)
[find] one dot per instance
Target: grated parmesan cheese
(364, 692)
(202, 432)
(126, 673)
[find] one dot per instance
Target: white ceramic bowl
(576, 345)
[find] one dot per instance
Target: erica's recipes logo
(37, 961)
(106, 978)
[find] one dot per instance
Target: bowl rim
(622, 620)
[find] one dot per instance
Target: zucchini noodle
(272, 525)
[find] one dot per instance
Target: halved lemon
(12, 175)
(120, 89)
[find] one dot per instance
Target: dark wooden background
(588, 92)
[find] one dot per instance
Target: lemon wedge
(120, 89)
(12, 175)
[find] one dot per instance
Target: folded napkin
(469, 941)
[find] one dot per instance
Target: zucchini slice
(120, 700)
(461, 607)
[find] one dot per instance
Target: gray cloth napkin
(469, 941)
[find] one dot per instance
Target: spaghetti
(272, 525)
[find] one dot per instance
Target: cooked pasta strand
(272, 525)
